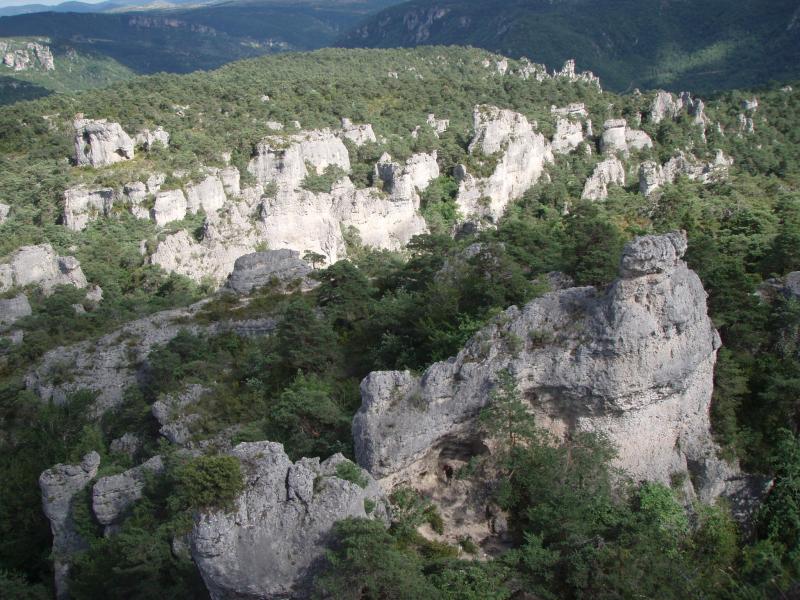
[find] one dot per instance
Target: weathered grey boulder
(99, 143)
(273, 543)
(635, 363)
(13, 309)
(283, 267)
(230, 178)
(40, 266)
(791, 285)
(112, 496)
(608, 172)
(128, 444)
(574, 109)
(665, 106)
(4, 210)
(618, 137)
(439, 126)
(59, 486)
(404, 182)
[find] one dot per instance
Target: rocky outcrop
(522, 152)
(634, 363)
(285, 161)
(119, 359)
(358, 134)
(169, 206)
(59, 486)
(147, 138)
(403, 182)
(82, 205)
(208, 195)
(568, 136)
(568, 72)
(99, 143)
(14, 309)
(653, 176)
(665, 106)
(4, 210)
(618, 137)
(40, 266)
(26, 56)
(174, 413)
(113, 496)
(439, 126)
(128, 444)
(230, 178)
(282, 268)
(575, 110)
(608, 172)
(273, 542)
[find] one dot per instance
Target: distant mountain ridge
(676, 44)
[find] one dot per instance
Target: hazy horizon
(5, 3)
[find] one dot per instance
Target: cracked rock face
(653, 176)
(59, 486)
(522, 152)
(273, 542)
(112, 496)
(568, 136)
(99, 143)
(82, 205)
(618, 137)
(359, 134)
(40, 266)
(261, 268)
(635, 364)
(14, 309)
(608, 172)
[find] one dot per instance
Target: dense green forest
(678, 45)
(579, 530)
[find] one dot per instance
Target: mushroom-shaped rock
(59, 486)
(100, 142)
(281, 267)
(271, 545)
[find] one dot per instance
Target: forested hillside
(206, 369)
(699, 46)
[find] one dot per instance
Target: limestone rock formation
(169, 206)
(148, 138)
(568, 136)
(403, 182)
(82, 205)
(128, 444)
(208, 195)
(635, 363)
(13, 309)
(40, 266)
(574, 109)
(114, 361)
(4, 210)
(359, 134)
(99, 142)
(568, 72)
(618, 137)
(665, 106)
(25, 56)
(113, 495)
(653, 176)
(174, 413)
(273, 542)
(283, 160)
(523, 154)
(59, 486)
(283, 267)
(230, 178)
(439, 126)
(608, 172)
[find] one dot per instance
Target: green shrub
(352, 473)
(207, 483)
